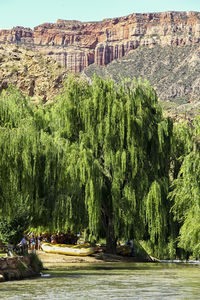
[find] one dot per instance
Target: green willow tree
(118, 159)
(180, 147)
(32, 161)
(185, 193)
(98, 158)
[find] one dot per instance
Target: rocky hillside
(77, 45)
(34, 74)
(174, 72)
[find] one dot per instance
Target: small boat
(79, 250)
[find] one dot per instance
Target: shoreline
(98, 258)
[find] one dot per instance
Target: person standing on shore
(24, 245)
(32, 241)
(130, 243)
(131, 248)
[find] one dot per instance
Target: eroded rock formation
(77, 45)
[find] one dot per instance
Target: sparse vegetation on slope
(36, 75)
(174, 72)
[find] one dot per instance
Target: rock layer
(77, 45)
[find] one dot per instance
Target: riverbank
(20, 267)
(47, 258)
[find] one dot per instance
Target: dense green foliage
(186, 188)
(119, 147)
(13, 227)
(101, 157)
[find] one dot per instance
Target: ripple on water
(127, 281)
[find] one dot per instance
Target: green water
(109, 281)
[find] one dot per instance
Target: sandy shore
(61, 258)
(47, 258)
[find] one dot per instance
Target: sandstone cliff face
(77, 45)
(75, 60)
(18, 34)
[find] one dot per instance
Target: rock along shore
(16, 268)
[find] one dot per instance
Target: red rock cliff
(76, 45)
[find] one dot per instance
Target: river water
(109, 281)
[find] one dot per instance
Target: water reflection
(109, 281)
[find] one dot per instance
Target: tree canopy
(185, 193)
(120, 157)
(101, 157)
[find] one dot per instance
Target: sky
(30, 13)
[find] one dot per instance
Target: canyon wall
(77, 45)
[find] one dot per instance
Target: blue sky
(30, 13)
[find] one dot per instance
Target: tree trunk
(111, 241)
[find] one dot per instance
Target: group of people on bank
(33, 241)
